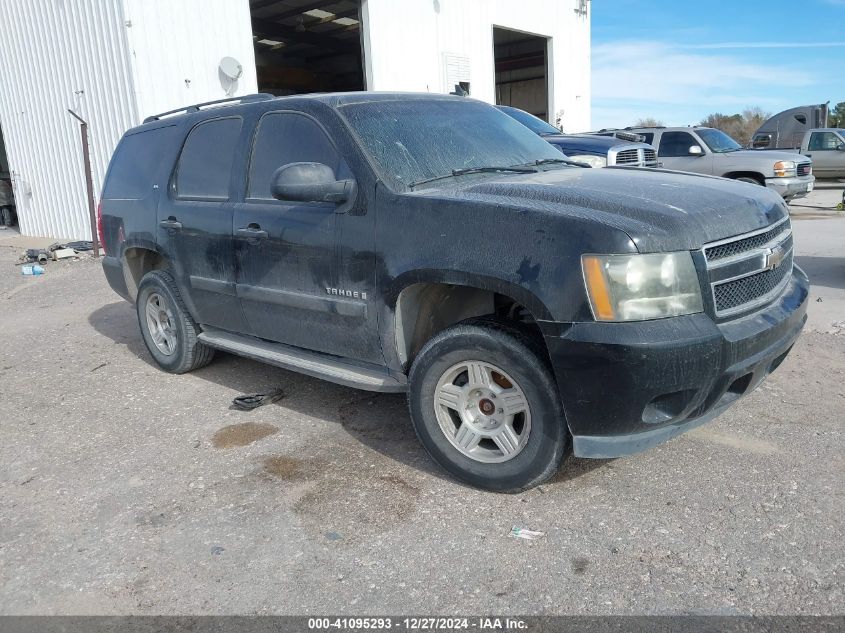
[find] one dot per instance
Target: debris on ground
(32, 269)
(529, 535)
(64, 253)
(255, 400)
(36, 255)
(56, 252)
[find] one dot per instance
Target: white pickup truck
(826, 146)
(707, 150)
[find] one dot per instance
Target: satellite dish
(231, 68)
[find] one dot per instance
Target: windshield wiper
(477, 170)
(558, 161)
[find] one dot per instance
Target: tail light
(100, 232)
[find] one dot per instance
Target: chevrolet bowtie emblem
(775, 256)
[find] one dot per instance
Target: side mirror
(310, 182)
(841, 147)
(695, 150)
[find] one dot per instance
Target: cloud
(681, 84)
(738, 45)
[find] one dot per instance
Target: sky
(680, 60)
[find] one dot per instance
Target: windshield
(416, 140)
(718, 141)
(533, 123)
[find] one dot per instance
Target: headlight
(640, 287)
(592, 161)
(785, 168)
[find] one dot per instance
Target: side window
(676, 144)
(821, 141)
(648, 136)
(137, 163)
(761, 141)
(283, 138)
(205, 165)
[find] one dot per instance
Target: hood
(660, 210)
(595, 143)
(767, 155)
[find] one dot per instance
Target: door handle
(253, 232)
(171, 224)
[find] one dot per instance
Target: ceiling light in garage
(270, 42)
(345, 21)
(318, 13)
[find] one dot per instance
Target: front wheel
(750, 180)
(485, 406)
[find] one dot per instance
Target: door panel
(673, 152)
(195, 224)
(828, 162)
(289, 281)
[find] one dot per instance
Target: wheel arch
(137, 260)
(756, 175)
(423, 303)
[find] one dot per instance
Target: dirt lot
(128, 490)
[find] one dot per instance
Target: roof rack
(259, 96)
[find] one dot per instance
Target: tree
(836, 116)
(648, 122)
(740, 127)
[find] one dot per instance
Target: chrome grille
(750, 270)
(804, 169)
(650, 157)
(741, 245)
(627, 157)
(739, 292)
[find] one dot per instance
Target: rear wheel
(169, 332)
(485, 406)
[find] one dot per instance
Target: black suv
(432, 244)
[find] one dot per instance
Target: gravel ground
(128, 490)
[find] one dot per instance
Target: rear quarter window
(137, 163)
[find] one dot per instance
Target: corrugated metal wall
(176, 47)
(55, 55)
(114, 62)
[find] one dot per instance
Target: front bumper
(629, 386)
(795, 187)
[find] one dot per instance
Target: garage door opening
(522, 77)
(8, 216)
(307, 45)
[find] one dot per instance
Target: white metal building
(115, 62)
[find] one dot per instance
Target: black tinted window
(648, 137)
(676, 144)
(283, 138)
(205, 166)
(136, 164)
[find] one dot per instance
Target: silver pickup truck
(707, 150)
(825, 146)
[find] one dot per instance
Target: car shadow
(379, 421)
(827, 272)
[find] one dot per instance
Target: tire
(169, 331)
(502, 451)
(750, 180)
